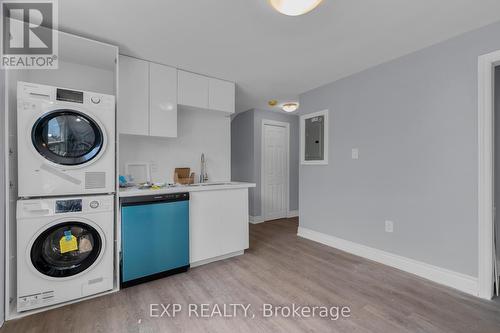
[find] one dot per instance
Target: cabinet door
(193, 90)
(233, 220)
(204, 226)
(221, 95)
(218, 223)
(133, 102)
(163, 101)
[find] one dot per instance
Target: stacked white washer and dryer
(66, 185)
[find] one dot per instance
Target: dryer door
(66, 249)
(67, 137)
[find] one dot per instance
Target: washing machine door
(66, 249)
(67, 137)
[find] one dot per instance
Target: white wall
(199, 131)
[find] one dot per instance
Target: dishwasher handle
(160, 198)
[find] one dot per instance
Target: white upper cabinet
(147, 102)
(162, 101)
(193, 90)
(149, 94)
(206, 93)
(133, 99)
(221, 95)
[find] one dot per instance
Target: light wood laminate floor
(280, 269)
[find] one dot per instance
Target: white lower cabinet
(218, 223)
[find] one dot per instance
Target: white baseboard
(260, 219)
(256, 219)
(222, 257)
(462, 282)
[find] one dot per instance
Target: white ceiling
(267, 54)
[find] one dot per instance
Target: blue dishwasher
(155, 237)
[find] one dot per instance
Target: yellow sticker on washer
(68, 243)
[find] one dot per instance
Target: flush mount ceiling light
(272, 102)
(290, 107)
(294, 7)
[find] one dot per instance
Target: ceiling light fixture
(294, 7)
(290, 107)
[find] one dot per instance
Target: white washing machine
(64, 249)
(66, 141)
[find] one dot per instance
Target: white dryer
(64, 249)
(66, 141)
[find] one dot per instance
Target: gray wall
(2, 195)
(497, 157)
(242, 164)
(414, 121)
(293, 120)
(246, 152)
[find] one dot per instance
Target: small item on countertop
(183, 176)
(124, 182)
(144, 186)
(139, 172)
(158, 186)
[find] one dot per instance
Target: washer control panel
(95, 99)
(62, 206)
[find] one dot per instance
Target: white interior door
(275, 170)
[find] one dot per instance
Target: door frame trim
(303, 118)
(262, 165)
(486, 132)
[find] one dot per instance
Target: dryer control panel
(60, 206)
(32, 93)
(68, 206)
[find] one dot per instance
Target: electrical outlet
(355, 153)
(154, 166)
(389, 226)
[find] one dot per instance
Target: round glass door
(66, 249)
(67, 137)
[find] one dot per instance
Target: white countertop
(135, 192)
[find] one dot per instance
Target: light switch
(355, 153)
(154, 166)
(389, 226)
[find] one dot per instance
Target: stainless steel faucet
(203, 171)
